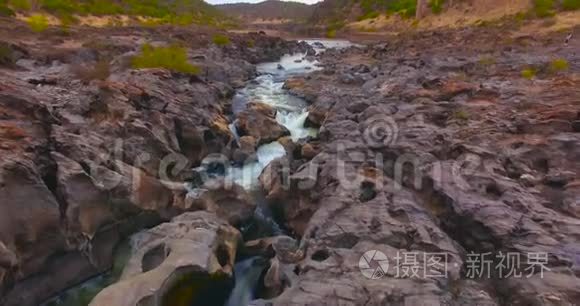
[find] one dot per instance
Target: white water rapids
(291, 111)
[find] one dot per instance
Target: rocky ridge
(87, 161)
(434, 143)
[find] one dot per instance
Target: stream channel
(292, 112)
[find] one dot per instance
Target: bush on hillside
(331, 33)
(37, 22)
(5, 11)
(221, 40)
(529, 73)
(544, 8)
(102, 7)
(436, 6)
(369, 15)
(571, 5)
(405, 8)
(20, 5)
(178, 12)
(173, 58)
(559, 65)
(6, 54)
(60, 6)
(372, 8)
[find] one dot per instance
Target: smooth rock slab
(167, 258)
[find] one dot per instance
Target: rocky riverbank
(93, 152)
(433, 146)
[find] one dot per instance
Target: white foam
(291, 111)
(247, 175)
(294, 122)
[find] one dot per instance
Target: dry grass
(562, 21)
(457, 16)
(99, 71)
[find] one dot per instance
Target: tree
(421, 7)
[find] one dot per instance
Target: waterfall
(247, 175)
(294, 122)
(247, 274)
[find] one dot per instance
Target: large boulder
(226, 199)
(177, 263)
(246, 151)
(259, 121)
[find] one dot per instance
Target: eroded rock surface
(436, 151)
(193, 247)
(93, 150)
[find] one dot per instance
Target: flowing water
(291, 113)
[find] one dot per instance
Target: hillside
(380, 16)
(268, 10)
(165, 11)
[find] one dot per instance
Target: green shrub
(436, 6)
(461, 115)
(372, 8)
(60, 6)
(5, 11)
(173, 58)
(369, 15)
(558, 65)
(405, 8)
(544, 8)
(221, 40)
(179, 12)
(102, 7)
(182, 20)
(6, 54)
(333, 27)
(487, 60)
(37, 22)
(67, 20)
(521, 16)
(331, 33)
(19, 5)
(571, 5)
(529, 73)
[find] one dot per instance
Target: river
(291, 112)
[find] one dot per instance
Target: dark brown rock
(246, 151)
(315, 117)
(227, 200)
(309, 151)
(259, 121)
